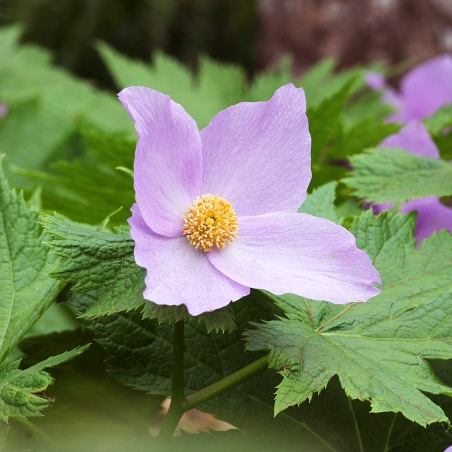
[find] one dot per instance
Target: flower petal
(301, 254)
(428, 87)
(168, 162)
(257, 155)
(432, 216)
(414, 138)
(177, 273)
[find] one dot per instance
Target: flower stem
(176, 409)
(179, 403)
(193, 400)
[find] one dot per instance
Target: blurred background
(252, 33)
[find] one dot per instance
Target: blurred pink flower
(3, 109)
(423, 90)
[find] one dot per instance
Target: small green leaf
(439, 121)
(320, 203)
(22, 391)
(395, 175)
(364, 134)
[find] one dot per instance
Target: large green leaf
(377, 349)
(22, 391)
(25, 289)
(387, 174)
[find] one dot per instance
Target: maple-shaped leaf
(378, 349)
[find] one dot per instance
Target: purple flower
(216, 209)
(432, 215)
(423, 90)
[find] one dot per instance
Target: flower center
(210, 221)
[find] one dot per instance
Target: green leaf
(439, 121)
(321, 82)
(387, 175)
(377, 349)
(216, 87)
(444, 143)
(25, 289)
(22, 391)
(97, 260)
(364, 134)
(89, 189)
(384, 366)
(325, 121)
(264, 85)
(320, 203)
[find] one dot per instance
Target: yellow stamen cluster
(210, 221)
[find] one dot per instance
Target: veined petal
(428, 87)
(177, 273)
(168, 161)
(257, 155)
(415, 138)
(432, 216)
(301, 254)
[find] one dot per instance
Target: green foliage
(46, 104)
(439, 121)
(25, 289)
(386, 175)
(89, 189)
(377, 349)
(216, 87)
(325, 120)
(22, 391)
(125, 335)
(333, 141)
